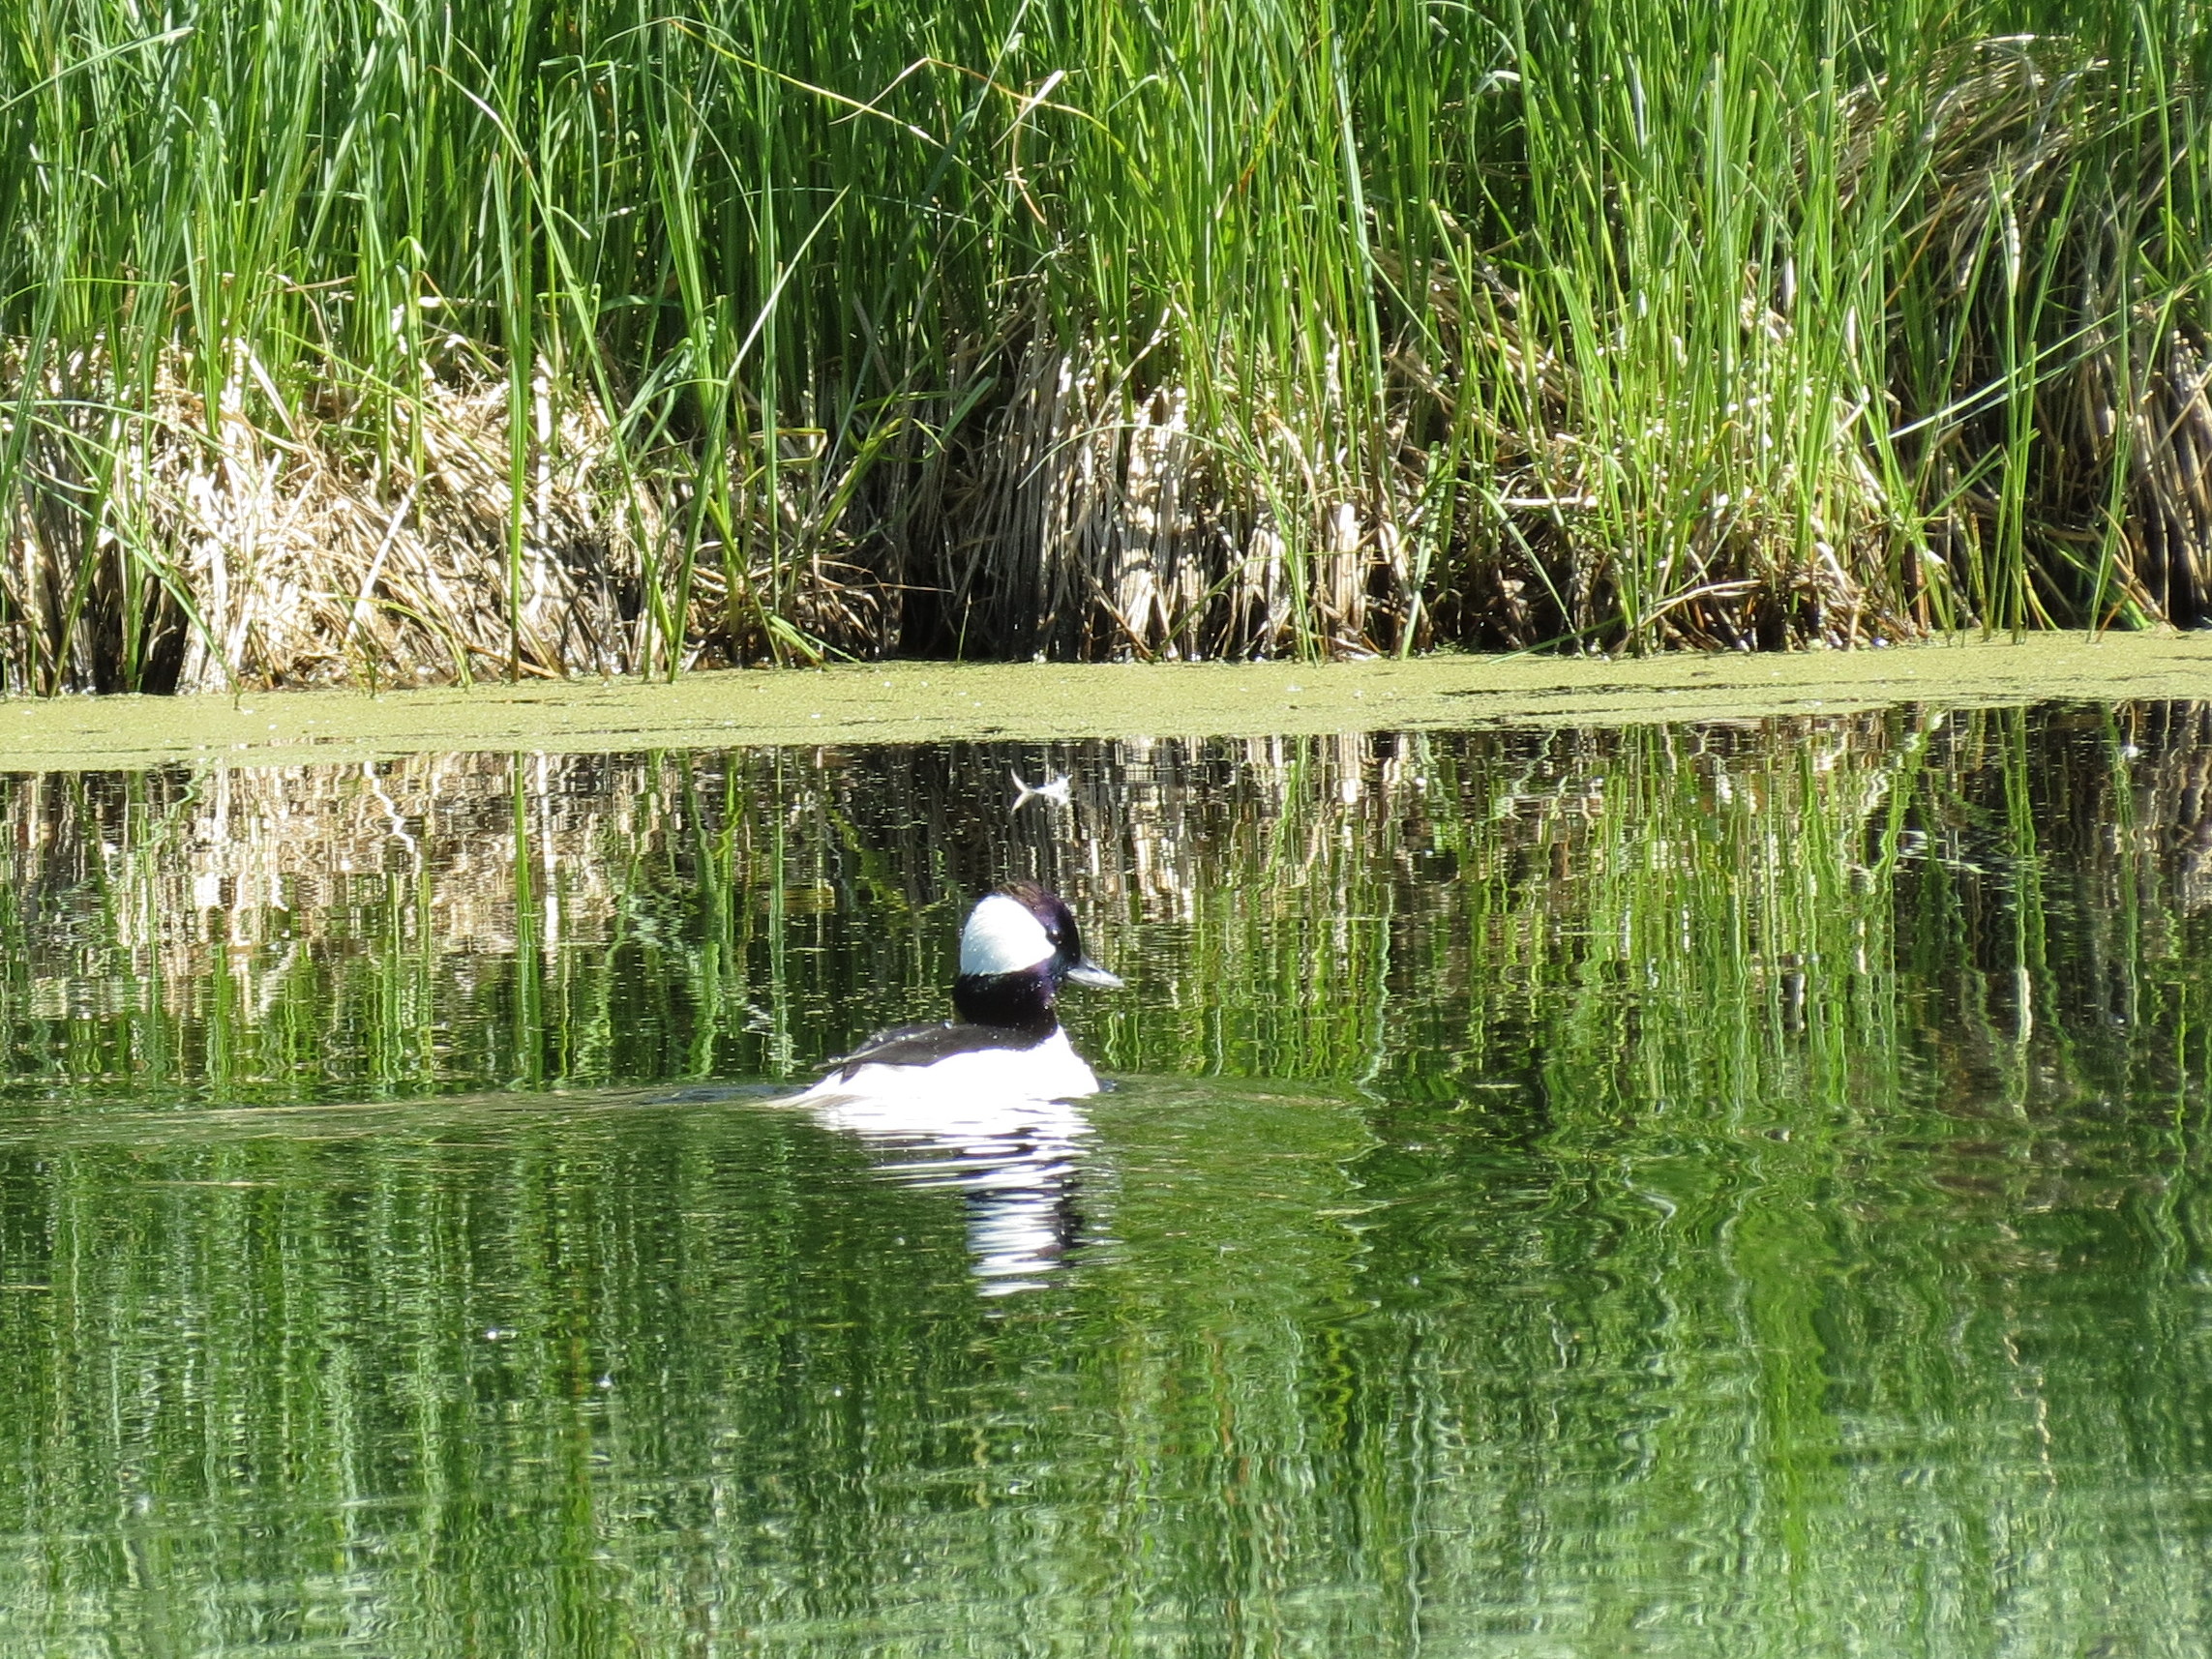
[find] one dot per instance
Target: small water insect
(1051, 789)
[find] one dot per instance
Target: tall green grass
(360, 339)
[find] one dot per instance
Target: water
(1680, 1191)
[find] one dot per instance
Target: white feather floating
(1053, 789)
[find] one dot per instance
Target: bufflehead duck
(1019, 946)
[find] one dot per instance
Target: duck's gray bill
(1089, 972)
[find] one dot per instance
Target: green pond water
(1698, 1189)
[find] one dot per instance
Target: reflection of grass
(1708, 1238)
(502, 1359)
(1697, 922)
(476, 1369)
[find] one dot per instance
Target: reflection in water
(1682, 1191)
(1015, 1163)
(1404, 912)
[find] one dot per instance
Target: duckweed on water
(934, 702)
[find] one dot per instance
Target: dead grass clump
(152, 549)
(245, 550)
(1103, 515)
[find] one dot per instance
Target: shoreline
(912, 701)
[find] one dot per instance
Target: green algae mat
(925, 702)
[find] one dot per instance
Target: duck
(1004, 1047)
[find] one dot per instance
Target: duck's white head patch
(1001, 936)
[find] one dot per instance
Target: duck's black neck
(1020, 1001)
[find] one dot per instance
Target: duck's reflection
(1017, 1164)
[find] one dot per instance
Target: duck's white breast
(979, 1089)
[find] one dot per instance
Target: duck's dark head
(1019, 944)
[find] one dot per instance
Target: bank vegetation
(373, 341)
